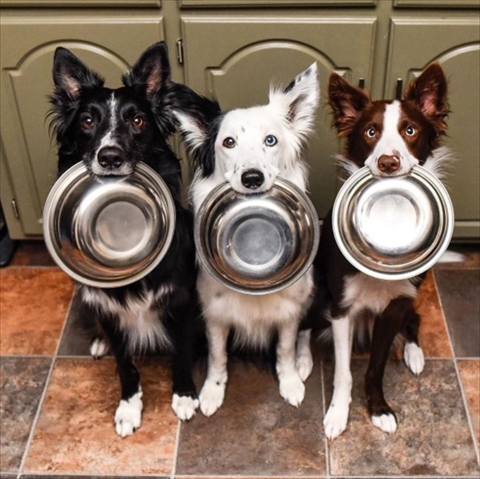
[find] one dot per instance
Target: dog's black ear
(429, 93)
(152, 69)
(346, 102)
(199, 128)
(71, 75)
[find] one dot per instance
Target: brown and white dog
(390, 137)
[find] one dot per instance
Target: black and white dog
(250, 148)
(390, 137)
(111, 131)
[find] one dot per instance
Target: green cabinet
(29, 158)
(233, 50)
(255, 52)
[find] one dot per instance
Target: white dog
(251, 148)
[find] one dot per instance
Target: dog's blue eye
(270, 140)
(410, 131)
(229, 142)
(371, 132)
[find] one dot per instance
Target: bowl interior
(257, 243)
(109, 232)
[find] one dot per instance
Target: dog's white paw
(414, 358)
(304, 364)
(98, 348)
(292, 389)
(385, 422)
(211, 397)
(335, 421)
(184, 406)
(128, 416)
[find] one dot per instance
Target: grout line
(35, 420)
(177, 446)
(322, 432)
(459, 378)
(44, 392)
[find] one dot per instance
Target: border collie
(111, 131)
(250, 148)
(390, 137)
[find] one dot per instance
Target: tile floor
(57, 404)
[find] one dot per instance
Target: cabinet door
(109, 45)
(455, 44)
(235, 59)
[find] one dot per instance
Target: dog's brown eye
(410, 130)
(371, 132)
(138, 122)
(87, 122)
(229, 142)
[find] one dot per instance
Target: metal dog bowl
(393, 228)
(257, 243)
(108, 231)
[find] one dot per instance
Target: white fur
(385, 422)
(109, 140)
(304, 359)
(184, 406)
(98, 348)
(336, 418)
(139, 318)
(414, 358)
(391, 143)
(289, 117)
(128, 416)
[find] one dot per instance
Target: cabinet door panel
(106, 45)
(236, 60)
(456, 45)
(275, 3)
(436, 3)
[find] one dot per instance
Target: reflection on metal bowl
(257, 243)
(108, 231)
(393, 228)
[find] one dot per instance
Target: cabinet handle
(16, 213)
(399, 89)
(361, 83)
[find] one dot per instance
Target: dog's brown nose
(388, 164)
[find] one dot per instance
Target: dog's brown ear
(70, 75)
(429, 93)
(346, 102)
(152, 69)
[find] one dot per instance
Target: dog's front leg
(335, 421)
(128, 416)
(213, 391)
(304, 359)
(186, 331)
(292, 388)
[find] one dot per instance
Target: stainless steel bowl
(257, 243)
(108, 231)
(393, 228)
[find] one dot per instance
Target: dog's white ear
(299, 100)
(194, 131)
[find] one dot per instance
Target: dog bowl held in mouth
(257, 243)
(393, 228)
(108, 231)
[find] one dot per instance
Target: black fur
(148, 93)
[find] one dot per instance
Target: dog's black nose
(111, 157)
(252, 179)
(388, 164)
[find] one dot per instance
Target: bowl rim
(434, 186)
(225, 187)
(69, 179)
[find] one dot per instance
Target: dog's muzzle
(252, 179)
